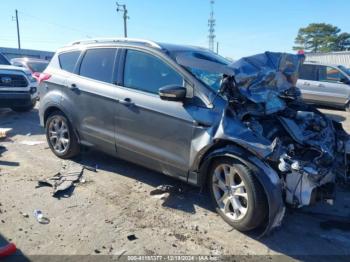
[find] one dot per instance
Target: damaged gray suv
(241, 128)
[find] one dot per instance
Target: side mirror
(172, 93)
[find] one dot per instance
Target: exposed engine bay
(309, 150)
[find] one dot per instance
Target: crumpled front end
(306, 148)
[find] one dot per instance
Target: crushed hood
(267, 78)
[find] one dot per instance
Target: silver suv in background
(187, 112)
(324, 84)
(18, 88)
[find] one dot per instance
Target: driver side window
(148, 73)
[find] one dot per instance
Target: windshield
(206, 66)
(37, 66)
(345, 70)
(3, 60)
(212, 80)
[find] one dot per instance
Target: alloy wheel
(230, 192)
(58, 135)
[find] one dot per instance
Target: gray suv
(239, 129)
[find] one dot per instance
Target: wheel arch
(266, 176)
(57, 108)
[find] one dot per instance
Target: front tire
(237, 195)
(60, 136)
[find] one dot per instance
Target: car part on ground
(246, 118)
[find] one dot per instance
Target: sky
(243, 27)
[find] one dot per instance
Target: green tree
(317, 37)
(342, 42)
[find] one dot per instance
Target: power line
(57, 25)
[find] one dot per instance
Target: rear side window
(330, 74)
(308, 72)
(148, 73)
(69, 60)
(98, 64)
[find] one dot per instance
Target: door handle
(321, 85)
(306, 84)
(126, 102)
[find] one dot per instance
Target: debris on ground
(163, 189)
(31, 143)
(131, 237)
(70, 174)
(4, 173)
(25, 215)
(7, 250)
(40, 217)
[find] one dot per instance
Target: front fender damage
(297, 152)
(267, 177)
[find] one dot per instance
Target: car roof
(129, 42)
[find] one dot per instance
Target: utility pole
(217, 47)
(18, 35)
(211, 24)
(122, 8)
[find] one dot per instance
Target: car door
(93, 95)
(330, 88)
(150, 131)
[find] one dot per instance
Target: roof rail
(116, 40)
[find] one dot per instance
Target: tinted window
(98, 64)
(69, 60)
(148, 73)
(329, 74)
(3, 60)
(308, 72)
(37, 66)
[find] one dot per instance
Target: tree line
(322, 37)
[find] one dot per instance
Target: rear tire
(237, 195)
(61, 137)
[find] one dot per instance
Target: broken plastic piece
(40, 217)
(132, 237)
(160, 190)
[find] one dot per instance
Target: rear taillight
(41, 77)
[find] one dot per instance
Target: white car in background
(18, 88)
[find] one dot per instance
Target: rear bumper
(17, 99)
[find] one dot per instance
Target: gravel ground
(96, 217)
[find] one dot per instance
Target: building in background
(16, 53)
(334, 58)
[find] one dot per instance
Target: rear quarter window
(68, 60)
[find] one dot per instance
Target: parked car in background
(324, 84)
(34, 65)
(18, 88)
(192, 115)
